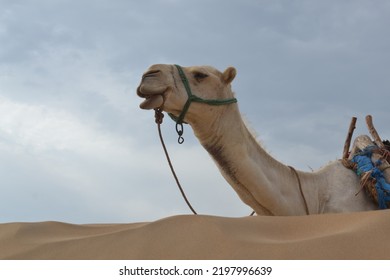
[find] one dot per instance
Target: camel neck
(257, 177)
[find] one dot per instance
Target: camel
(262, 182)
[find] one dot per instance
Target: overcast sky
(75, 147)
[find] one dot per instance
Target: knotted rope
(159, 119)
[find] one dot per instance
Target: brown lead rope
(159, 119)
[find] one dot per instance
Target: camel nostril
(151, 73)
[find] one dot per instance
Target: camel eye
(200, 76)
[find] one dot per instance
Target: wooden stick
(373, 132)
(349, 137)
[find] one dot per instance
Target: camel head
(167, 87)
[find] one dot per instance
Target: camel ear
(229, 74)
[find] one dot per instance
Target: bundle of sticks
(363, 141)
(376, 138)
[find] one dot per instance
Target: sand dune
(363, 235)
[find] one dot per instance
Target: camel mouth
(152, 90)
(154, 96)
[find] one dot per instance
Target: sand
(363, 235)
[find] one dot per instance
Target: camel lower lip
(152, 102)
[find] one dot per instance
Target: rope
(159, 119)
(300, 189)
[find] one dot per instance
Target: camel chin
(152, 102)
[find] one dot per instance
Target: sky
(76, 148)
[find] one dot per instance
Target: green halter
(193, 98)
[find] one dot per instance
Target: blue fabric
(364, 164)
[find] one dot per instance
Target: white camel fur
(266, 185)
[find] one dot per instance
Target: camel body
(265, 184)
